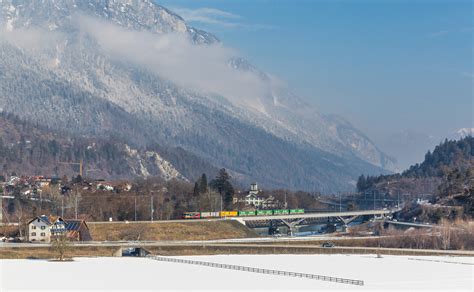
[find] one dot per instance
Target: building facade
(44, 228)
(253, 200)
(39, 229)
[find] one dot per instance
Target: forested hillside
(446, 157)
(27, 149)
(446, 175)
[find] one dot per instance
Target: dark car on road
(327, 244)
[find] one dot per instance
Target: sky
(386, 66)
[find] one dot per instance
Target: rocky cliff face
(135, 70)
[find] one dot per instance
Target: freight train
(225, 214)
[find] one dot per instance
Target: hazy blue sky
(384, 65)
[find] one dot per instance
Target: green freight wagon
(280, 212)
(296, 211)
(264, 212)
(246, 213)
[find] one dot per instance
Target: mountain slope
(134, 70)
(450, 156)
(28, 149)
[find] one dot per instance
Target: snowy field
(389, 273)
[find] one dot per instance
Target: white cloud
(173, 56)
(445, 32)
(202, 68)
(469, 75)
(438, 33)
(216, 17)
(32, 38)
(208, 16)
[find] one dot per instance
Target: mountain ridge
(76, 80)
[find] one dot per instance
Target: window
(33, 233)
(33, 227)
(43, 234)
(43, 227)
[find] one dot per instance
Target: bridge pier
(292, 220)
(292, 225)
(347, 221)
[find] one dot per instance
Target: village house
(105, 186)
(270, 203)
(44, 228)
(76, 229)
(252, 198)
(116, 186)
(39, 229)
(42, 182)
(255, 198)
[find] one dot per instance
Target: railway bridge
(293, 220)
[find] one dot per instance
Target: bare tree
(445, 232)
(60, 244)
(21, 218)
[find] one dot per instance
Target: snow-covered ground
(405, 273)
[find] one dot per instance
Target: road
(305, 247)
(411, 224)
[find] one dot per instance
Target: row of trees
(446, 157)
(149, 199)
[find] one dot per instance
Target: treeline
(151, 198)
(43, 156)
(446, 157)
(29, 149)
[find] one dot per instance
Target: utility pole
(340, 202)
(135, 208)
(1, 210)
(221, 202)
(286, 203)
(374, 199)
(76, 204)
(151, 210)
(398, 199)
(41, 202)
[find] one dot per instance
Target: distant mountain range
(134, 71)
(409, 147)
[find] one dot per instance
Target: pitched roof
(43, 218)
(73, 225)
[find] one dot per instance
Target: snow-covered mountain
(464, 132)
(134, 69)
